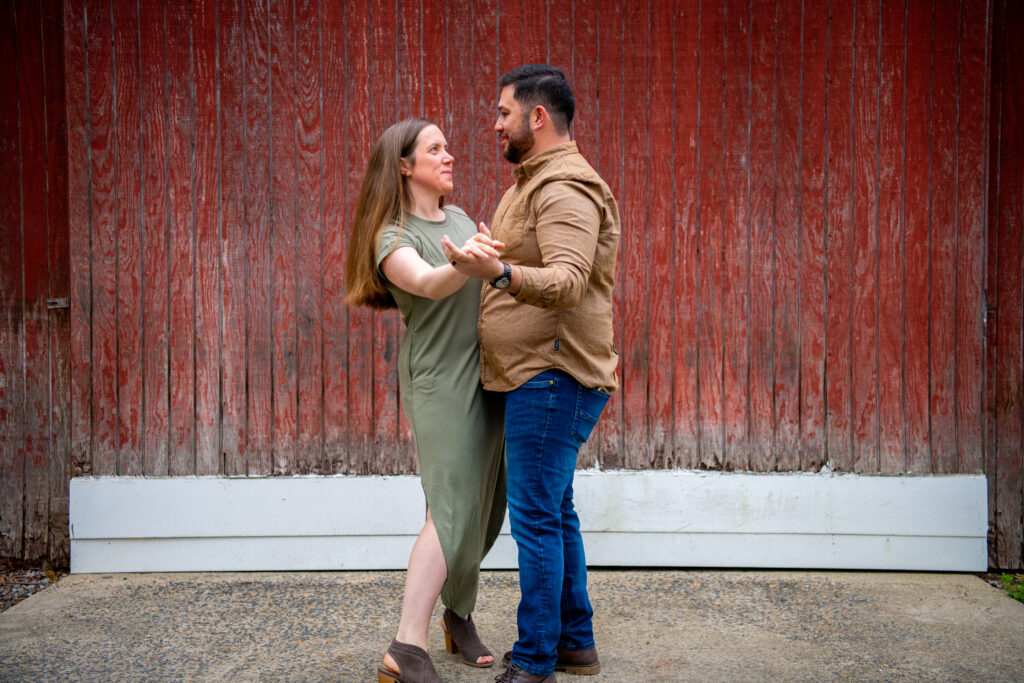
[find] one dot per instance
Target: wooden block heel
(385, 675)
(450, 645)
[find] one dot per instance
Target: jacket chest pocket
(513, 226)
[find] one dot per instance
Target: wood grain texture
(12, 372)
(181, 240)
(58, 284)
(1009, 362)
(661, 241)
(891, 188)
(839, 228)
(788, 221)
(736, 237)
(129, 276)
(336, 200)
(864, 304)
(156, 366)
(685, 234)
(232, 263)
(813, 161)
(609, 163)
(710, 187)
(917, 234)
(804, 266)
(631, 286)
(761, 206)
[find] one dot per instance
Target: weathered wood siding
(1004, 351)
(819, 202)
(35, 393)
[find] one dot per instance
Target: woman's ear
(404, 168)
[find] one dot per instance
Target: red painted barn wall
(808, 192)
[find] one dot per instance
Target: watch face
(502, 282)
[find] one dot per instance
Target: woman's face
(431, 165)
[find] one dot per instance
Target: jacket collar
(531, 166)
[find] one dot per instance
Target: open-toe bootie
(413, 663)
(460, 637)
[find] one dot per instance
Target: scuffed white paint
(648, 518)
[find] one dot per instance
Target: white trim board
(629, 518)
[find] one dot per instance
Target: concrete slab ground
(650, 626)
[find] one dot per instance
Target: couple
(527, 308)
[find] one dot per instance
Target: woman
(395, 259)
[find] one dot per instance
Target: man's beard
(519, 143)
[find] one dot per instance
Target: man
(546, 340)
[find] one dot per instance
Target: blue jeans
(547, 419)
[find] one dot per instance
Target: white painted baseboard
(649, 518)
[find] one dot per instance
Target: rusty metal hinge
(58, 303)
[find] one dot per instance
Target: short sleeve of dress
(392, 238)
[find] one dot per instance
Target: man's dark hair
(545, 85)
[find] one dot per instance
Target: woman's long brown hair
(383, 201)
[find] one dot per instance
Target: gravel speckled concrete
(651, 626)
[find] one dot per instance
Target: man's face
(515, 137)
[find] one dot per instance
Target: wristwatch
(504, 280)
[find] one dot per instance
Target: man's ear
(538, 117)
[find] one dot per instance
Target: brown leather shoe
(513, 674)
(573, 662)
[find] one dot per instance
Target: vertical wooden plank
(1009, 364)
(631, 287)
(473, 117)
(995, 110)
(560, 42)
(12, 371)
(813, 157)
(208, 243)
(865, 226)
(128, 194)
(762, 276)
(581, 36)
(386, 326)
(104, 237)
(433, 78)
(659, 277)
(535, 32)
(710, 186)
(155, 335)
(787, 248)
(942, 257)
(283, 235)
(736, 239)
(231, 162)
(972, 131)
(309, 284)
(409, 102)
(916, 237)
(686, 255)
(259, 285)
(181, 240)
(360, 136)
(609, 163)
(31, 309)
(408, 58)
(891, 351)
(839, 242)
(336, 165)
(58, 284)
(511, 29)
(79, 236)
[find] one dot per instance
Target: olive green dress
(458, 427)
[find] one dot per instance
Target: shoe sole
(571, 669)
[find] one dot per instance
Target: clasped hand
(478, 257)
